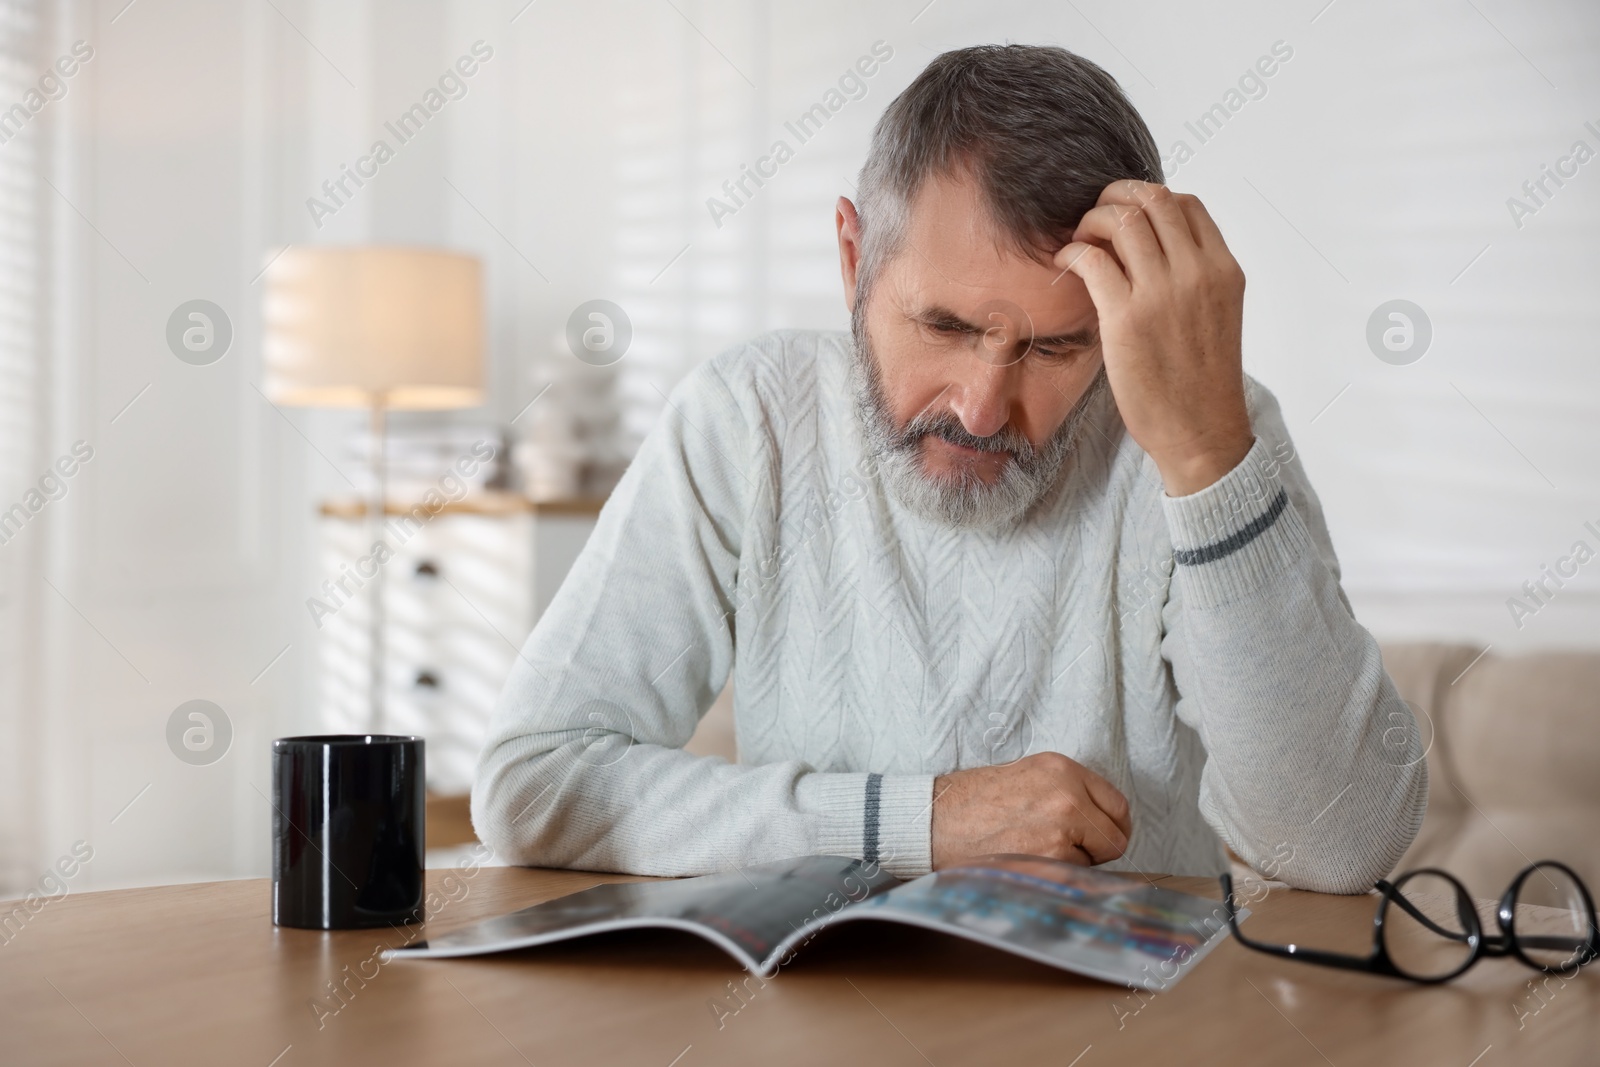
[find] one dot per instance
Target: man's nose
(983, 399)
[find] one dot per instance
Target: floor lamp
(378, 327)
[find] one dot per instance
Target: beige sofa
(1514, 766)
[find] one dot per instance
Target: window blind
(19, 301)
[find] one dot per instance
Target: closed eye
(1061, 349)
(1056, 349)
(950, 327)
(1057, 353)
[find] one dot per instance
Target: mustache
(947, 427)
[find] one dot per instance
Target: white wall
(1376, 166)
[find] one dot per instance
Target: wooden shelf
(474, 504)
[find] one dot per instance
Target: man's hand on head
(1042, 805)
(1170, 299)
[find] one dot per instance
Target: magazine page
(747, 912)
(1113, 927)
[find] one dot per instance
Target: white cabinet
(459, 597)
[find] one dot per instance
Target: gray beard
(963, 500)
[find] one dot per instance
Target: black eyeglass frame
(1506, 943)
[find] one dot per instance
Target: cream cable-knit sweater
(1196, 651)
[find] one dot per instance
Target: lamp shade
(355, 326)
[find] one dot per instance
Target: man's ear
(849, 227)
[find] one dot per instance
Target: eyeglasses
(1427, 927)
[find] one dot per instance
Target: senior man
(1023, 563)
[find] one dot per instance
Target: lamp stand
(375, 513)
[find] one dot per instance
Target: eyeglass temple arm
(1566, 944)
(1292, 952)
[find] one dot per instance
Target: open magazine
(1090, 922)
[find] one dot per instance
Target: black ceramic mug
(347, 831)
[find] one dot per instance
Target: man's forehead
(954, 259)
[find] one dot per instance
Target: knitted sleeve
(1314, 765)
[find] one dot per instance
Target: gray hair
(1042, 130)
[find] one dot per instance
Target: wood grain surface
(197, 974)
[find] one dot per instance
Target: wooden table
(197, 974)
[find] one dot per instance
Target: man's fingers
(1096, 832)
(1108, 818)
(1170, 224)
(1173, 216)
(1102, 275)
(1128, 230)
(1201, 224)
(1125, 191)
(1102, 839)
(1109, 799)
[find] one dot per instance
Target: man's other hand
(1042, 805)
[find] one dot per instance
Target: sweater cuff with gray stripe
(1237, 533)
(882, 818)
